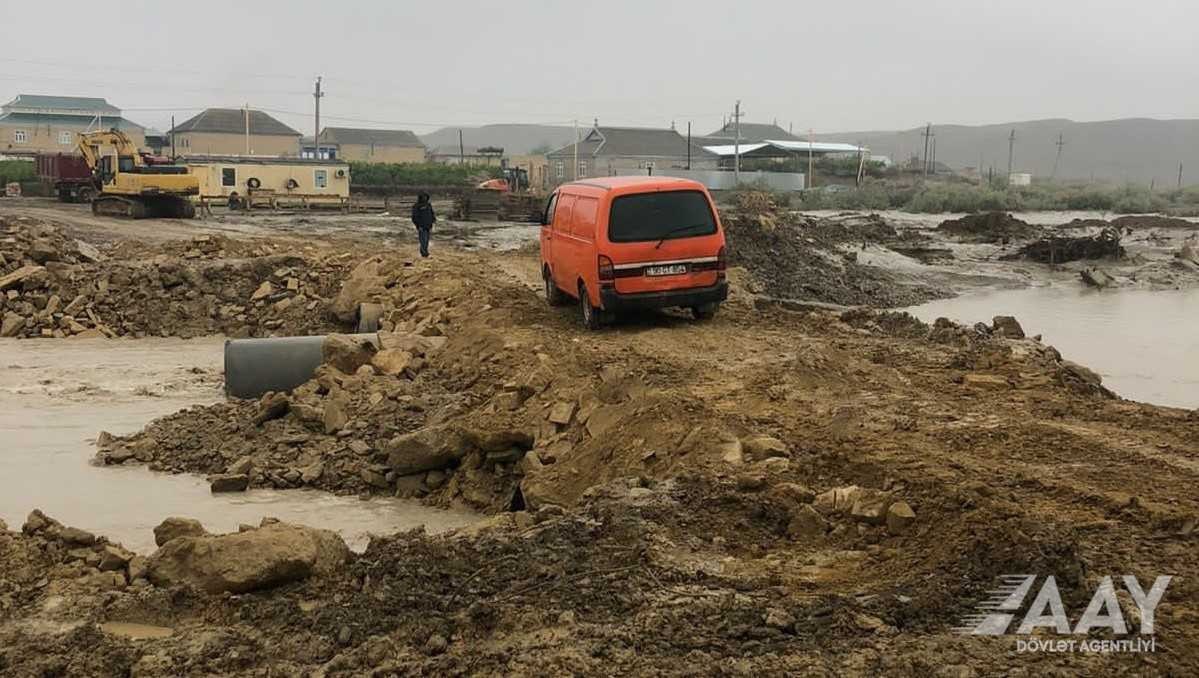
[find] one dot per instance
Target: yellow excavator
(129, 185)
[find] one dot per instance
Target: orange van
(624, 243)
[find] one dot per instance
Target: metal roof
(233, 121)
(35, 119)
(367, 137)
(751, 132)
(630, 142)
(788, 146)
(85, 105)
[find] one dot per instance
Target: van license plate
(672, 269)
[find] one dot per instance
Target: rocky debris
(229, 482)
(807, 522)
(1096, 277)
(900, 518)
(989, 227)
(347, 352)
(759, 447)
(53, 286)
(269, 556)
(392, 361)
(837, 500)
(1062, 249)
(271, 406)
(367, 283)
(176, 527)
(561, 413)
(429, 449)
(870, 506)
(1007, 326)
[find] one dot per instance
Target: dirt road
(767, 493)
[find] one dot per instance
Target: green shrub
(16, 170)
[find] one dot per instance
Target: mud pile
(989, 227)
(56, 287)
(671, 577)
(1153, 221)
(791, 256)
(1059, 250)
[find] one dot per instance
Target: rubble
(138, 292)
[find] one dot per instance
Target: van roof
(642, 182)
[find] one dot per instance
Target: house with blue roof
(33, 123)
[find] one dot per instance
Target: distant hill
(514, 139)
(1139, 150)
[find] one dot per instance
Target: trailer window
(19, 136)
(228, 176)
(320, 178)
(661, 215)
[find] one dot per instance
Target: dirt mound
(1059, 250)
(989, 227)
(57, 287)
(794, 257)
(1153, 221)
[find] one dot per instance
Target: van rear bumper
(692, 296)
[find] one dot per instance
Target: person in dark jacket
(424, 218)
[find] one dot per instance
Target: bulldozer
(129, 185)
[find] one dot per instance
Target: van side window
(584, 218)
(562, 213)
(549, 209)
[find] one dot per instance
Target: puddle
(136, 631)
(1144, 343)
(57, 395)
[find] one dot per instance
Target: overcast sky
(870, 64)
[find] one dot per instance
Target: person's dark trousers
(423, 235)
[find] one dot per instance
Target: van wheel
(705, 312)
(553, 295)
(590, 315)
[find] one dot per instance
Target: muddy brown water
(57, 395)
(1144, 343)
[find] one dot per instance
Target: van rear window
(660, 216)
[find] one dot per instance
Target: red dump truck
(69, 174)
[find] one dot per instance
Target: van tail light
(607, 271)
(722, 263)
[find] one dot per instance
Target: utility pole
(316, 125)
(1060, 142)
(461, 149)
(1011, 151)
(927, 134)
(737, 144)
(246, 111)
(688, 144)
(173, 156)
(811, 167)
(575, 172)
(1180, 175)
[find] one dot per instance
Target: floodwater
(57, 395)
(1144, 343)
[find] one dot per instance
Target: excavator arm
(90, 143)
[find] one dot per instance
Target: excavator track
(163, 207)
(118, 206)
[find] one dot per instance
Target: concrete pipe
(255, 366)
